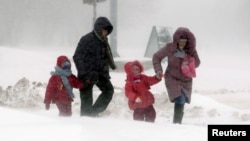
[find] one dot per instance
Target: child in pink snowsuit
(137, 86)
(60, 87)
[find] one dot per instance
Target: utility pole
(94, 3)
(113, 19)
(94, 11)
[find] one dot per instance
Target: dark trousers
(145, 114)
(178, 113)
(88, 106)
(179, 108)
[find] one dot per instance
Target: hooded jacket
(92, 56)
(175, 80)
(138, 86)
(56, 91)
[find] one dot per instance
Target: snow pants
(145, 114)
(65, 109)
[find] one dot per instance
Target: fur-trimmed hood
(186, 33)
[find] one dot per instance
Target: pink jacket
(139, 86)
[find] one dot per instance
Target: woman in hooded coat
(60, 87)
(137, 87)
(178, 84)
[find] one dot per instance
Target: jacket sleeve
(197, 59)
(79, 58)
(75, 82)
(151, 80)
(157, 59)
(87, 58)
(50, 90)
(129, 92)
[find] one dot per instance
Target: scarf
(108, 52)
(133, 78)
(64, 76)
(110, 60)
(179, 53)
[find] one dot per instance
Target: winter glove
(138, 100)
(91, 81)
(86, 82)
(159, 75)
(47, 106)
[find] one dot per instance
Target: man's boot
(178, 113)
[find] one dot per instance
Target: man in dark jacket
(93, 58)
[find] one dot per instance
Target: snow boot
(178, 113)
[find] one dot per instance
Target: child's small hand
(138, 100)
(159, 75)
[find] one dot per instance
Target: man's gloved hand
(47, 106)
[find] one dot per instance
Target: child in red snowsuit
(60, 87)
(137, 86)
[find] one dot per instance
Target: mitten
(159, 75)
(138, 100)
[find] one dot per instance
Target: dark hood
(102, 23)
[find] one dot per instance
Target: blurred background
(218, 25)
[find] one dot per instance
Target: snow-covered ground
(24, 75)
